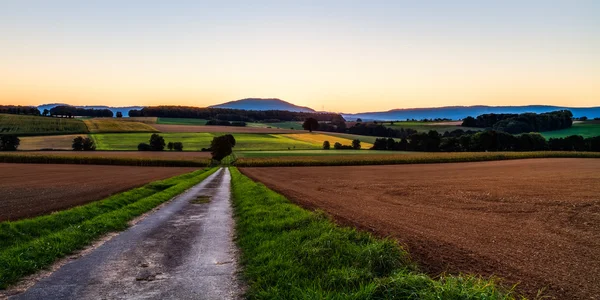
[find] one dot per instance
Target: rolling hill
(263, 104)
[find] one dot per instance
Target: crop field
(181, 121)
(252, 159)
(586, 129)
(145, 120)
(318, 139)
(331, 152)
(218, 129)
(530, 221)
(54, 142)
(279, 125)
(31, 189)
(106, 125)
(33, 125)
(197, 141)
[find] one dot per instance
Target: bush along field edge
(29, 245)
(288, 252)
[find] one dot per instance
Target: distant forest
(225, 114)
(19, 110)
(520, 123)
(67, 110)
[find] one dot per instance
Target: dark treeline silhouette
(19, 110)
(520, 123)
(489, 140)
(71, 111)
(368, 129)
(229, 114)
(226, 123)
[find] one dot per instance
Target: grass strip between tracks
(291, 253)
(31, 244)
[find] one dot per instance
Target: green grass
(32, 244)
(279, 125)
(395, 159)
(33, 125)
(16, 157)
(290, 253)
(586, 129)
(181, 121)
(197, 141)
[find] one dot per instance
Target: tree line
(19, 110)
(489, 140)
(226, 114)
(71, 111)
(520, 123)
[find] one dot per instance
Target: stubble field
(535, 222)
(30, 189)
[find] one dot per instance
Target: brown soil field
(29, 190)
(535, 222)
(56, 142)
(219, 129)
(167, 155)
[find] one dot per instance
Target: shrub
(356, 144)
(170, 146)
(144, 147)
(326, 145)
(178, 146)
(9, 142)
(83, 144)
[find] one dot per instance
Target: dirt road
(29, 190)
(182, 251)
(533, 221)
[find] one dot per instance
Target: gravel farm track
(30, 190)
(535, 222)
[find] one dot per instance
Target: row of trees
(70, 111)
(338, 146)
(489, 140)
(157, 143)
(9, 142)
(520, 123)
(228, 114)
(368, 129)
(19, 110)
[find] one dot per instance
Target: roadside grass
(16, 157)
(586, 129)
(32, 244)
(108, 125)
(291, 253)
(393, 159)
(196, 141)
(181, 121)
(23, 125)
(318, 139)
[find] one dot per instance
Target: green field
(197, 141)
(181, 121)
(291, 253)
(278, 125)
(32, 244)
(586, 129)
(34, 125)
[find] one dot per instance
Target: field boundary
(95, 160)
(31, 244)
(291, 253)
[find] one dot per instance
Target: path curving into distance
(184, 250)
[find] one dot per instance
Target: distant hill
(461, 112)
(123, 110)
(263, 104)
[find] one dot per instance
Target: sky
(342, 56)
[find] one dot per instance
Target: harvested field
(105, 125)
(56, 142)
(219, 129)
(30, 190)
(533, 221)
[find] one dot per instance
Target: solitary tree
(46, 112)
(358, 120)
(170, 146)
(9, 142)
(221, 147)
(310, 124)
(83, 144)
(178, 146)
(326, 145)
(119, 114)
(157, 142)
(144, 147)
(356, 144)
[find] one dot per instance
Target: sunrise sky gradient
(345, 56)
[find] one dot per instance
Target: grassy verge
(98, 160)
(291, 253)
(392, 159)
(32, 244)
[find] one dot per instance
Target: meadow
(23, 125)
(29, 245)
(181, 121)
(280, 125)
(290, 253)
(586, 129)
(197, 141)
(112, 125)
